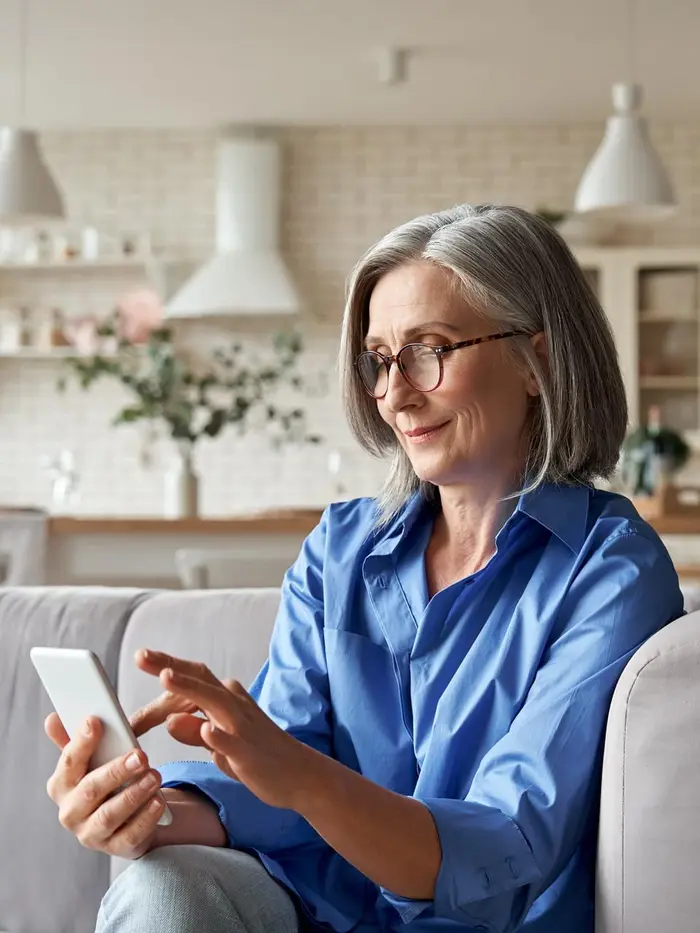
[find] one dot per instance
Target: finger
(220, 748)
(235, 687)
(74, 760)
(112, 815)
(158, 710)
(153, 662)
(213, 699)
(131, 839)
(223, 764)
(99, 785)
(186, 728)
(55, 730)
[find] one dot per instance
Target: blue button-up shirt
(487, 703)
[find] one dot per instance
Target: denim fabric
(196, 889)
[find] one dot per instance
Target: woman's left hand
(244, 742)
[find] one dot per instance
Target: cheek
(493, 396)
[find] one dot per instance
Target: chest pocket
(369, 734)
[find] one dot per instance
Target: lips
(416, 434)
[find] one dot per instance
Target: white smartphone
(78, 687)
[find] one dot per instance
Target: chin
(435, 470)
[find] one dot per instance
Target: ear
(539, 345)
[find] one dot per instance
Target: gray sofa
(650, 803)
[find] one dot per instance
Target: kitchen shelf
(672, 383)
(668, 319)
(81, 265)
(58, 353)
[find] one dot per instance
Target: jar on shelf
(10, 336)
(43, 330)
(26, 327)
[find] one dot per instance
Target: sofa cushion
(53, 884)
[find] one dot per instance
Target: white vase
(181, 485)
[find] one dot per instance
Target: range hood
(247, 275)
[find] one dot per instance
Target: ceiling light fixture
(28, 193)
(626, 180)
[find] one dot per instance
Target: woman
(424, 742)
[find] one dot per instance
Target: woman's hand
(244, 742)
(124, 824)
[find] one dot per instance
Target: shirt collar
(387, 539)
(563, 510)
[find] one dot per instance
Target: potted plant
(231, 389)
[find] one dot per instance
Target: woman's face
(477, 414)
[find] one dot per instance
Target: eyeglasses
(419, 363)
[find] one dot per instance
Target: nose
(400, 394)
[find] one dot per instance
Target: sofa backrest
(228, 630)
(647, 868)
(48, 881)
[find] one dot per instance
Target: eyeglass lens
(420, 365)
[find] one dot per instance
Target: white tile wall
(343, 188)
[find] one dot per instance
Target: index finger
(153, 662)
(157, 711)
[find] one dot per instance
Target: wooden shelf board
(671, 383)
(287, 521)
(667, 319)
(77, 265)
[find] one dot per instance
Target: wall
(343, 189)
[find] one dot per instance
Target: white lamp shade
(28, 193)
(625, 179)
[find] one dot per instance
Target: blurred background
(180, 179)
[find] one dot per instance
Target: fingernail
(145, 653)
(133, 762)
(87, 728)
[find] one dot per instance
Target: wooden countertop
(283, 521)
(676, 524)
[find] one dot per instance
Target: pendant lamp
(28, 193)
(626, 180)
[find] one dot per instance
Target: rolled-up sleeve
(534, 794)
(292, 688)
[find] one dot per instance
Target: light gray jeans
(196, 889)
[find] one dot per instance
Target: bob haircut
(518, 273)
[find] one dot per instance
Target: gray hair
(520, 275)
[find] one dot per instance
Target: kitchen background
(342, 188)
(380, 110)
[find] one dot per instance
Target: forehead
(411, 294)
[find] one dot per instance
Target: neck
(470, 519)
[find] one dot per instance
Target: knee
(160, 882)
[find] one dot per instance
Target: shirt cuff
(485, 858)
(249, 823)
(200, 776)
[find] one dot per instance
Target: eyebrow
(428, 327)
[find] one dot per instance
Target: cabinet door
(668, 343)
(612, 276)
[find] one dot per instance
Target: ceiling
(176, 63)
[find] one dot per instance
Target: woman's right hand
(124, 824)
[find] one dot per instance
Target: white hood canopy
(247, 275)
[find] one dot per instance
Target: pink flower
(140, 312)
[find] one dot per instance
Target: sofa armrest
(650, 806)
